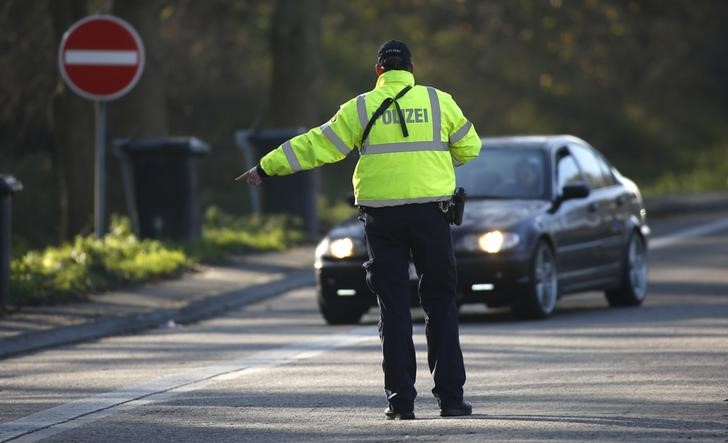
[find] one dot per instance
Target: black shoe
(464, 408)
(398, 415)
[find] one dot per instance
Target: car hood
(352, 228)
(479, 214)
(486, 214)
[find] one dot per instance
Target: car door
(619, 199)
(603, 210)
(576, 225)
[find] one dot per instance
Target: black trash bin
(291, 194)
(8, 186)
(162, 186)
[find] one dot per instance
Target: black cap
(394, 54)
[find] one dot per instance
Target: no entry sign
(101, 57)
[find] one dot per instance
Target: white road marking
(669, 240)
(62, 418)
(110, 57)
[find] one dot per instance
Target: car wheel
(341, 313)
(633, 287)
(538, 299)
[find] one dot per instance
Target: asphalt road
(273, 371)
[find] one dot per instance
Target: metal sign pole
(100, 188)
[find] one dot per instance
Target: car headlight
(491, 242)
(339, 247)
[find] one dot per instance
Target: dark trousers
(422, 230)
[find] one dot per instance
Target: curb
(195, 311)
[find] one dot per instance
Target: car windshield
(504, 173)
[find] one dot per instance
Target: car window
(606, 170)
(589, 166)
(504, 172)
(567, 172)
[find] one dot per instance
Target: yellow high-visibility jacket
(392, 169)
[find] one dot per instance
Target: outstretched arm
(328, 143)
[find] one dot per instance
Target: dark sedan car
(545, 216)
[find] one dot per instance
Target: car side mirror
(577, 190)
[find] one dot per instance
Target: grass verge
(89, 264)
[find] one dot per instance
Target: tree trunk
(295, 87)
(143, 112)
(296, 48)
(71, 122)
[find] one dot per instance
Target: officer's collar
(396, 77)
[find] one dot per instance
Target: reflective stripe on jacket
(392, 169)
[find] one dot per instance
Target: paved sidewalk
(195, 296)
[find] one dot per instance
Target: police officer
(409, 139)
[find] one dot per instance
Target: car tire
(341, 313)
(538, 298)
(632, 289)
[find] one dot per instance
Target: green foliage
(642, 80)
(88, 264)
(223, 234)
(709, 173)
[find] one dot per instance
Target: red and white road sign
(101, 57)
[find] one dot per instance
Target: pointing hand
(250, 177)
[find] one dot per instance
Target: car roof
(532, 141)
